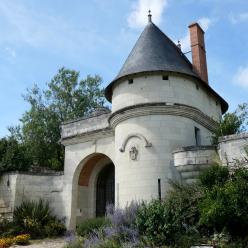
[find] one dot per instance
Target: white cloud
(238, 18)
(138, 16)
(185, 40)
(241, 77)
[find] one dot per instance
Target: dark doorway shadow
(105, 189)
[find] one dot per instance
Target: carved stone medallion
(133, 153)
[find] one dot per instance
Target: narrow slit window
(197, 136)
(165, 77)
(159, 189)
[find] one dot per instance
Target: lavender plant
(72, 241)
(121, 232)
(94, 239)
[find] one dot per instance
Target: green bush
(216, 175)
(225, 204)
(74, 242)
(187, 240)
(54, 228)
(109, 243)
(152, 223)
(163, 222)
(36, 218)
(87, 226)
(7, 228)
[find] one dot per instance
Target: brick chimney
(199, 60)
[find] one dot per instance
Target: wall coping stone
(54, 173)
(234, 137)
(194, 148)
(95, 114)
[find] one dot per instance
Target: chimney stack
(199, 60)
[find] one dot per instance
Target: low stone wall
(189, 161)
(232, 148)
(16, 187)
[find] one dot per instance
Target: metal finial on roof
(179, 44)
(149, 16)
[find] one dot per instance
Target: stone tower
(160, 102)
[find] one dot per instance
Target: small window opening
(217, 103)
(130, 81)
(197, 136)
(159, 189)
(197, 86)
(165, 77)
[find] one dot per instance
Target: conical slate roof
(154, 52)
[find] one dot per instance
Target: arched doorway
(96, 187)
(105, 189)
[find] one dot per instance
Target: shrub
(123, 223)
(72, 240)
(163, 222)
(54, 228)
(5, 227)
(215, 175)
(225, 205)
(89, 225)
(36, 218)
(151, 222)
(22, 239)
(109, 243)
(187, 240)
(120, 229)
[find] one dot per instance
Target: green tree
(224, 206)
(67, 97)
(232, 123)
(12, 155)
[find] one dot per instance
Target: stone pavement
(45, 243)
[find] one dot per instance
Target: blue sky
(95, 37)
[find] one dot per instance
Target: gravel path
(44, 243)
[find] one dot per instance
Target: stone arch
(135, 135)
(84, 186)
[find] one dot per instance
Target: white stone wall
(232, 148)
(84, 125)
(177, 89)
(32, 187)
(76, 155)
(7, 193)
(190, 161)
(138, 179)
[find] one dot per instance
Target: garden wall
(233, 148)
(16, 187)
